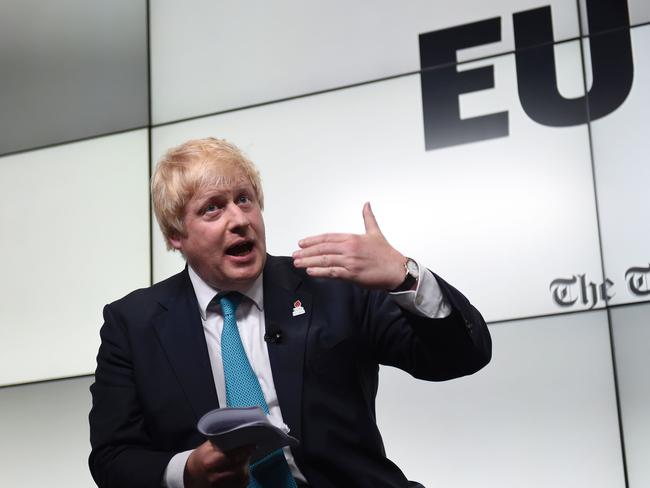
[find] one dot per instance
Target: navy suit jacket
(153, 379)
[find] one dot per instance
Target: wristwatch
(412, 274)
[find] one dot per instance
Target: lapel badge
(298, 309)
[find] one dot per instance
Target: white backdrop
(327, 99)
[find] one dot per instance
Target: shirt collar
(205, 293)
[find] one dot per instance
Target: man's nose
(238, 217)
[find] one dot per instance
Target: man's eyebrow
(204, 198)
(207, 195)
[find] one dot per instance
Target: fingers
(322, 261)
(210, 466)
(233, 478)
(319, 239)
(217, 459)
(238, 456)
(328, 266)
(235, 471)
(331, 248)
(330, 272)
(369, 220)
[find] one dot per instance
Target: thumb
(369, 220)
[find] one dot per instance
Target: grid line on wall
(378, 80)
(75, 141)
(600, 243)
(150, 125)
(149, 141)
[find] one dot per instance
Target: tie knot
(229, 302)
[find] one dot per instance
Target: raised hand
(366, 259)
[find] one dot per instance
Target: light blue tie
(243, 390)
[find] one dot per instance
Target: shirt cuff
(173, 476)
(426, 300)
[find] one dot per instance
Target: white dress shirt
(426, 300)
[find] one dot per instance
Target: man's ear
(176, 242)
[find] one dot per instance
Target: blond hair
(190, 167)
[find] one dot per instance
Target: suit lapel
(180, 332)
(281, 290)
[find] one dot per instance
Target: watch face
(412, 268)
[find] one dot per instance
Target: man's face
(225, 241)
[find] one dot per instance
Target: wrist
(410, 276)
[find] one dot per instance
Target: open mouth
(241, 249)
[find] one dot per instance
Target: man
(312, 329)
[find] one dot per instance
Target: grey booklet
(229, 428)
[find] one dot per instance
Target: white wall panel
(541, 414)
(210, 56)
(621, 149)
(639, 11)
(501, 219)
(631, 327)
(75, 237)
(45, 434)
(71, 70)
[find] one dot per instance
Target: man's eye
(243, 199)
(210, 208)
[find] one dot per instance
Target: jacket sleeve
(121, 453)
(431, 349)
